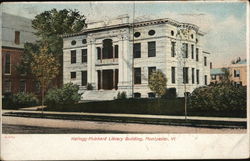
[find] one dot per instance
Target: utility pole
(184, 57)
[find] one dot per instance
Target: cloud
(227, 40)
(225, 37)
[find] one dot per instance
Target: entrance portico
(107, 79)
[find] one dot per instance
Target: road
(21, 125)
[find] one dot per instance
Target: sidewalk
(200, 118)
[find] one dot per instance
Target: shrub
(66, 95)
(121, 95)
(220, 98)
(170, 93)
(89, 86)
(20, 100)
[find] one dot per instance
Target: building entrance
(107, 79)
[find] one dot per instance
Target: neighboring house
(238, 73)
(217, 75)
(16, 31)
(115, 56)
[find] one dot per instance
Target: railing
(107, 61)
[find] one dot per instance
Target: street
(21, 125)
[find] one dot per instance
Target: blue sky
(223, 22)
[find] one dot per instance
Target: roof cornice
(139, 24)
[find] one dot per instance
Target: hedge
(219, 98)
(143, 106)
(19, 100)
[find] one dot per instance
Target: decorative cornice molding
(139, 24)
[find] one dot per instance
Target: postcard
(125, 80)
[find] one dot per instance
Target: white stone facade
(122, 33)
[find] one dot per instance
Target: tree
(49, 26)
(45, 68)
(157, 83)
(226, 79)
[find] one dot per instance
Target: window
(7, 86)
(205, 79)
(197, 76)
(211, 65)
(116, 51)
(17, 37)
(185, 50)
(73, 75)
(213, 77)
(137, 95)
(73, 42)
(137, 75)
(173, 48)
(172, 33)
(197, 54)
(150, 71)
(185, 75)
(173, 74)
(236, 73)
(84, 78)
(237, 84)
(137, 50)
(107, 51)
(192, 75)
(151, 95)
(84, 41)
(73, 56)
(151, 32)
(192, 51)
(7, 64)
(192, 36)
(205, 61)
(151, 49)
(137, 34)
(84, 55)
(98, 53)
(22, 86)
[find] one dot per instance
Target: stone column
(101, 80)
(89, 61)
(93, 61)
(127, 61)
(121, 61)
(113, 78)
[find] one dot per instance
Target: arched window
(107, 48)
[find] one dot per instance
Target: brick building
(16, 31)
(237, 73)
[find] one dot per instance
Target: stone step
(98, 95)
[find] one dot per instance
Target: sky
(223, 22)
